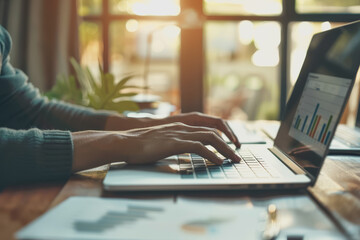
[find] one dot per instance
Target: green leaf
(103, 79)
(95, 88)
(133, 86)
(80, 73)
(65, 89)
(115, 90)
(110, 81)
(94, 101)
(102, 93)
(130, 94)
(122, 82)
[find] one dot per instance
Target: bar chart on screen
(318, 110)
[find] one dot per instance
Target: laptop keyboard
(252, 166)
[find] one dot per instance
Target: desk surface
(21, 205)
(340, 202)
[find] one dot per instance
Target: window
(116, 33)
(231, 58)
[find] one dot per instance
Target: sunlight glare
(262, 7)
(325, 26)
(132, 25)
(158, 46)
(305, 30)
(171, 31)
(246, 32)
(267, 35)
(155, 8)
(265, 58)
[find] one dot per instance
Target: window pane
(89, 7)
(301, 34)
(145, 7)
(243, 69)
(90, 45)
(328, 6)
(129, 46)
(243, 7)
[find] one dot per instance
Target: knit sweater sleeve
(34, 155)
(22, 107)
(26, 152)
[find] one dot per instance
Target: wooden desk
(21, 205)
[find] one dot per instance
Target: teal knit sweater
(35, 139)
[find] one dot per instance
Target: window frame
(192, 68)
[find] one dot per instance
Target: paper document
(101, 218)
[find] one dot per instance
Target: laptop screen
(319, 96)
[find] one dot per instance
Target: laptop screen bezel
(283, 132)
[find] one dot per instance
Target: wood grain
(20, 205)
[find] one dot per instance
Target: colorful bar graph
(313, 126)
(312, 129)
(312, 119)
(316, 126)
(322, 131)
(327, 137)
(326, 129)
(297, 122)
(306, 118)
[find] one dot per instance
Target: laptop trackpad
(163, 169)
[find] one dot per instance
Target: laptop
(300, 147)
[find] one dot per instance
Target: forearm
(22, 107)
(64, 116)
(90, 149)
(117, 122)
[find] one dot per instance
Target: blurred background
(237, 59)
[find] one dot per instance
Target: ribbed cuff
(34, 155)
(56, 154)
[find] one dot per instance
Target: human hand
(193, 119)
(200, 119)
(147, 145)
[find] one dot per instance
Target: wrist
(89, 149)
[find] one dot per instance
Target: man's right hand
(147, 145)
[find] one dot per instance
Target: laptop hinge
(288, 162)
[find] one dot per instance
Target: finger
(226, 129)
(200, 149)
(231, 132)
(215, 141)
(219, 124)
(198, 119)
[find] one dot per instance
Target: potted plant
(103, 92)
